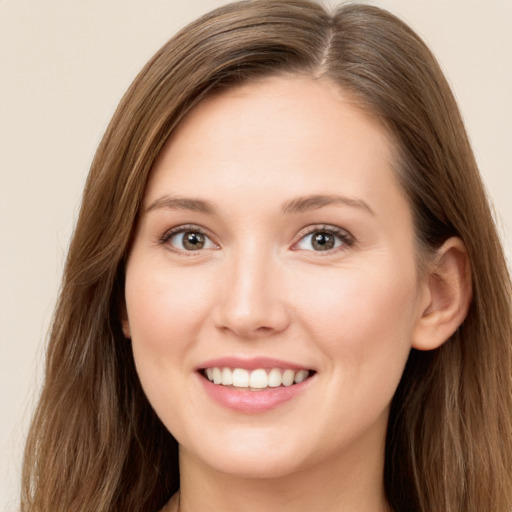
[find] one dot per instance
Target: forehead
(289, 133)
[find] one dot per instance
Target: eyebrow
(314, 202)
(296, 205)
(182, 203)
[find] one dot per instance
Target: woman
(286, 274)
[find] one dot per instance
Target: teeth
(288, 377)
(274, 378)
(227, 377)
(256, 379)
(240, 378)
(217, 376)
(300, 376)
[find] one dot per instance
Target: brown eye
(322, 241)
(189, 240)
(193, 240)
(325, 240)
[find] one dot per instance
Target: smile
(257, 379)
(254, 385)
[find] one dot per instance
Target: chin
(259, 467)
(251, 456)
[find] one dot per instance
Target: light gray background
(64, 65)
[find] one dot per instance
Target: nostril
(264, 329)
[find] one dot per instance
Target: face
(272, 288)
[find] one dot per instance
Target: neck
(330, 486)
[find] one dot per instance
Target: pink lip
(246, 401)
(251, 364)
(252, 402)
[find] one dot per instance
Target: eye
(324, 239)
(188, 239)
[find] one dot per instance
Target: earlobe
(449, 293)
(125, 324)
(126, 329)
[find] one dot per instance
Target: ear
(125, 323)
(447, 298)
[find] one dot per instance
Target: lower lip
(252, 402)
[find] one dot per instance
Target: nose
(252, 302)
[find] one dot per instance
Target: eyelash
(167, 236)
(345, 238)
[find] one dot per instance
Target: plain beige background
(64, 65)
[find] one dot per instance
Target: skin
(259, 288)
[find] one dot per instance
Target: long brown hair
(95, 442)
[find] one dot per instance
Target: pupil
(323, 241)
(193, 241)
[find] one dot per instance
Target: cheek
(364, 318)
(165, 312)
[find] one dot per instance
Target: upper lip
(252, 363)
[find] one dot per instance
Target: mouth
(254, 385)
(258, 379)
